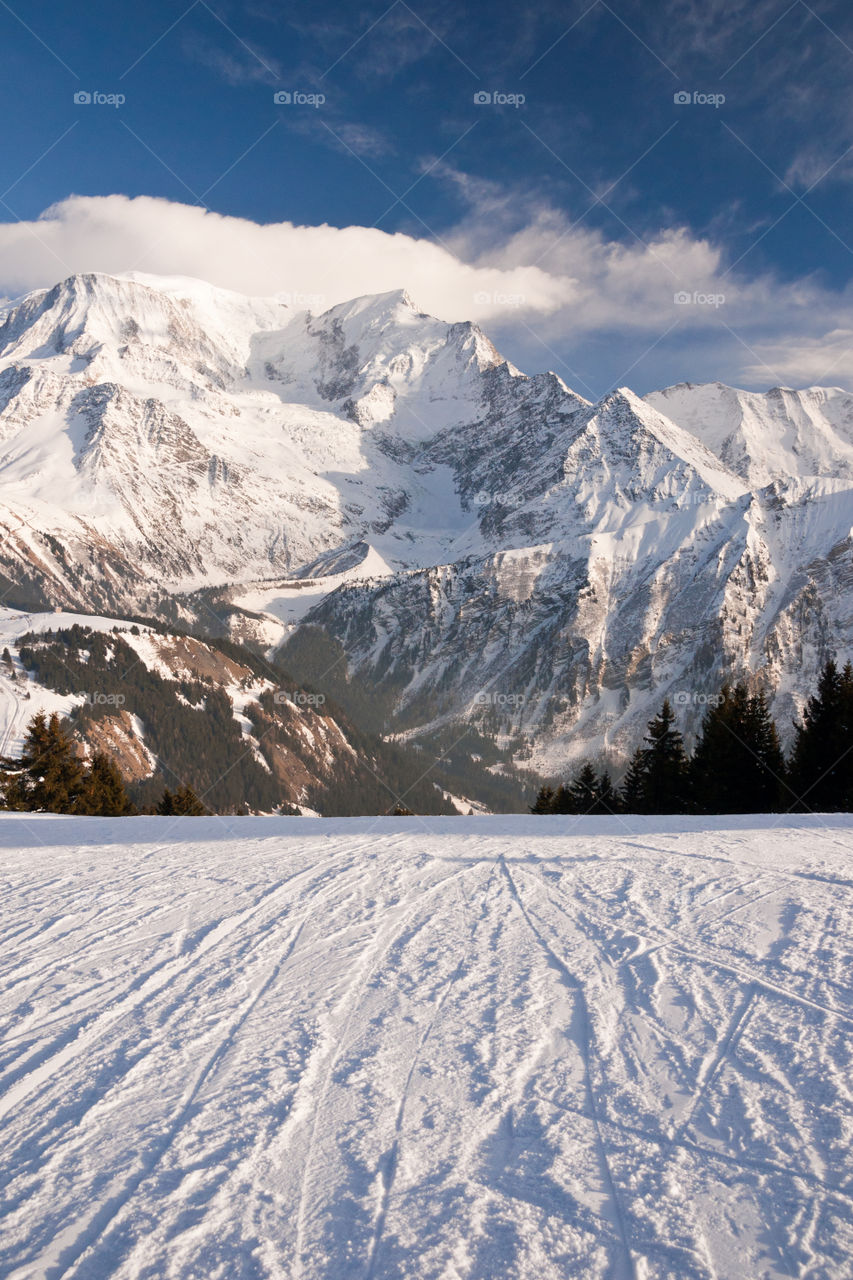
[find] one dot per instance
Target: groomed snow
(524, 1047)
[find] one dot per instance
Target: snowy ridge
(780, 435)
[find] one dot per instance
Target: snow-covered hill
(176, 710)
(487, 546)
(530, 1048)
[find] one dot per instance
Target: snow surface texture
(515, 1047)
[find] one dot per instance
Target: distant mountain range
(381, 492)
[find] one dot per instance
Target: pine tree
(737, 766)
(769, 785)
(104, 792)
(544, 801)
(632, 797)
(666, 775)
(183, 803)
(587, 793)
(608, 799)
(563, 801)
(822, 760)
(166, 805)
(49, 777)
(846, 760)
(656, 780)
(584, 789)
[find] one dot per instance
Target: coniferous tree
(104, 792)
(822, 760)
(544, 801)
(583, 790)
(665, 783)
(182, 803)
(656, 781)
(633, 790)
(587, 793)
(607, 800)
(737, 765)
(563, 801)
(49, 777)
(769, 773)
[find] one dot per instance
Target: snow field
(515, 1047)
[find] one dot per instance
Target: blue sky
(571, 225)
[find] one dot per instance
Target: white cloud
(825, 360)
(543, 285)
(117, 234)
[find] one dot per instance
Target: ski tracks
(326, 1050)
(388, 1169)
(587, 1049)
(385, 940)
(727, 1043)
(106, 1216)
(75, 1041)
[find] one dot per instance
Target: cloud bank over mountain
(557, 294)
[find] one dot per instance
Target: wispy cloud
(363, 139)
(234, 65)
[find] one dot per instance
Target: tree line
(52, 777)
(737, 764)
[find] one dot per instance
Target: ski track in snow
(457, 1049)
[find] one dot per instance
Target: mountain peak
(780, 434)
(396, 306)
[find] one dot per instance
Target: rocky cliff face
(488, 547)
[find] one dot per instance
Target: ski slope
(525, 1048)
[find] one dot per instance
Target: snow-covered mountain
(486, 546)
(762, 438)
(172, 435)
